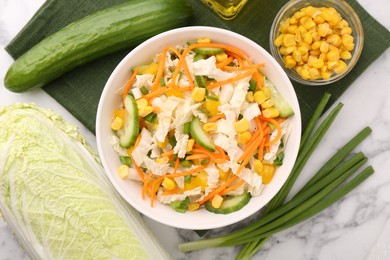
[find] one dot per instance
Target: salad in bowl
(199, 127)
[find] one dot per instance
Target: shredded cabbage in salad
(209, 126)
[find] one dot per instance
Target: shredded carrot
(216, 118)
(160, 71)
(138, 169)
(129, 83)
(156, 93)
(224, 63)
(167, 154)
(176, 167)
(260, 151)
(171, 192)
(232, 79)
(279, 134)
(248, 67)
(219, 189)
(145, 184)
(236, 57)
(233, 187)
(137, 140)
(226, 47)
(197, 157)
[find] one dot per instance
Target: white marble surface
(358, 227)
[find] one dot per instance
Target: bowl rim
(352, 18)
(232, 217)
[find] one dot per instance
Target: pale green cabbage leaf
(56, 197)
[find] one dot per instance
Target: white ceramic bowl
(130, 190)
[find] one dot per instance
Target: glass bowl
(346, 12)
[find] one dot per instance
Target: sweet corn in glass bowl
(322, 67)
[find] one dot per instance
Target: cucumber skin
(98, 34)
(245, 198)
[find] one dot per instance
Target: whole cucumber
(98, 34)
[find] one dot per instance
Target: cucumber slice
(129, 133)
(230, 204)
(280, 102)
(208, 50)
(201, 136)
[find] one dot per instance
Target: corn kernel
(290, 49)
(120, 113)
(198, 94)
(291, 29)
(212, 106)
(267, 92)
(345, 55)
(168, 184)
(271, 112)
(308, 38)
(318, 64)
(209, 127)
(249, 97)
(117, 123)
(241, 125)
(332, 64)
(315, 53)
(346, 30)
(305, 57)
(346, 39)
(333, 39)
(258, 166)
(223, 176)
(204, 40)
(217, 201)
(327, 14)
(266, 104)
(123, 171)
(309, 10)
(333, 55)
(267, 173)
(259, 97)
(297, 56)
(244, 137)
(323, 57)
(142, 102)
(162, 160)
(298, 69)
(289, 40)
(324, 47)
(174, 92)
(316, 45)
(152, 68)
(325, 74)
(311, 60)
(279, 40)
(130, 150)
(289, 62)
(284, 25)
(342, 66)
(304, 73)
(318, 19)
(190, 145)
(323, 29)
(164, 144)
(314, 73)
(303, 49)
(221, 57)
(316, 36)
(349, 47)
(193, 206)
(298, 36)
(144, 111)
(308, 24)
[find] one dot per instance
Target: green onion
(144, 90)
(252, 85)
(212, 97)
(162, 82)
(328, 185)
(186, 128)
(151, 118)
(126, 160)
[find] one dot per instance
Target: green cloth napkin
(79, 90)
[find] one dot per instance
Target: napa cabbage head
(56, 197)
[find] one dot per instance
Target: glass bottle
(227, 9)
